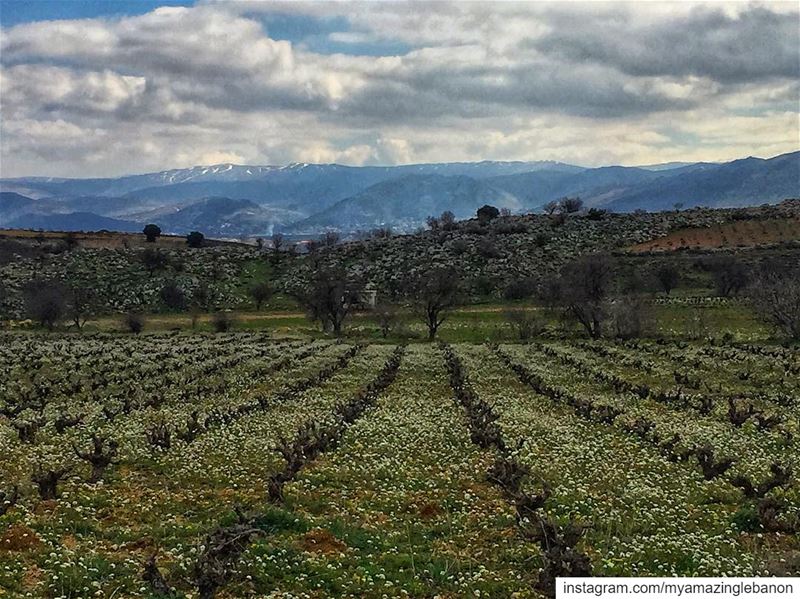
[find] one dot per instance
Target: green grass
(475, 323)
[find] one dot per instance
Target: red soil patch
(741, 233)
(320, 540)
(430, 510)
(19, 537)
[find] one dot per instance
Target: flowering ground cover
(236, 465)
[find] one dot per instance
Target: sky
(105, 88)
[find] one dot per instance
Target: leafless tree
(278, 242)
(154, 260)
(81, 302)
(730, 275)
(570, 205)
(447, 220)
(260, 292)
(437, 291)
(330, 238)
(775, 297)
(386, 315)
(631, 317)
(583, 291)
(526, 323)
(330, 298)
(45, 302)
(667, 276)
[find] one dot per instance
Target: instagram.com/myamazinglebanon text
(669, 588)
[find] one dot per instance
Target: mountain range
(231, 201)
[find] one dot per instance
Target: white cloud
(587, 83)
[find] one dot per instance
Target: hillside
(509, 249)
(738, 234)
(488, 258)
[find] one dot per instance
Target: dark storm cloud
(755, 45)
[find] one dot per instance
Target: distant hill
(401, 202)
(311, 197)
(746, 182)
(72, 221)
(224, 217)
(13, 205)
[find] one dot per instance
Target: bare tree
(381, 233)
(173, 296)
(260, 292)
(330, 238)
(277, 247)
(45, 302)
(133, 322)
(667, 276)
(386, 316)
(526, 323)
(447, 220)
(730, 275)
(775, 297)
(154, 260)
(437, 292)
(433, 223)
(570, 205)
(583, 291)
(550, 207)
(330, 298)
(631, 317)
(81, 302)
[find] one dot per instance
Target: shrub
(151, 232)
(631, 317)
(133, 322)
(222, 322)
(487, 213)
(195, 239)
(526, 323)
(260, 292)
(45, 302)
(173, 296)
(667, 276)
(518, 289)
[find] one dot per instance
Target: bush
(260, 292)
(222, 322)
(133, 322)
(487, 213)
(173, 296)
(195, 239)
(488, 249)
(459, 246)
(520, 289)
(526, 323)
(45, 302)
(775, 297)
(151, 232)
(631, 317)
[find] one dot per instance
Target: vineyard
(236, 465)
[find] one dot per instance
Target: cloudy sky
(106, 88)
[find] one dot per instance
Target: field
(249, 466)
(735, 234)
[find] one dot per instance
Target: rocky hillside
(491, 256)
(488, 257)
